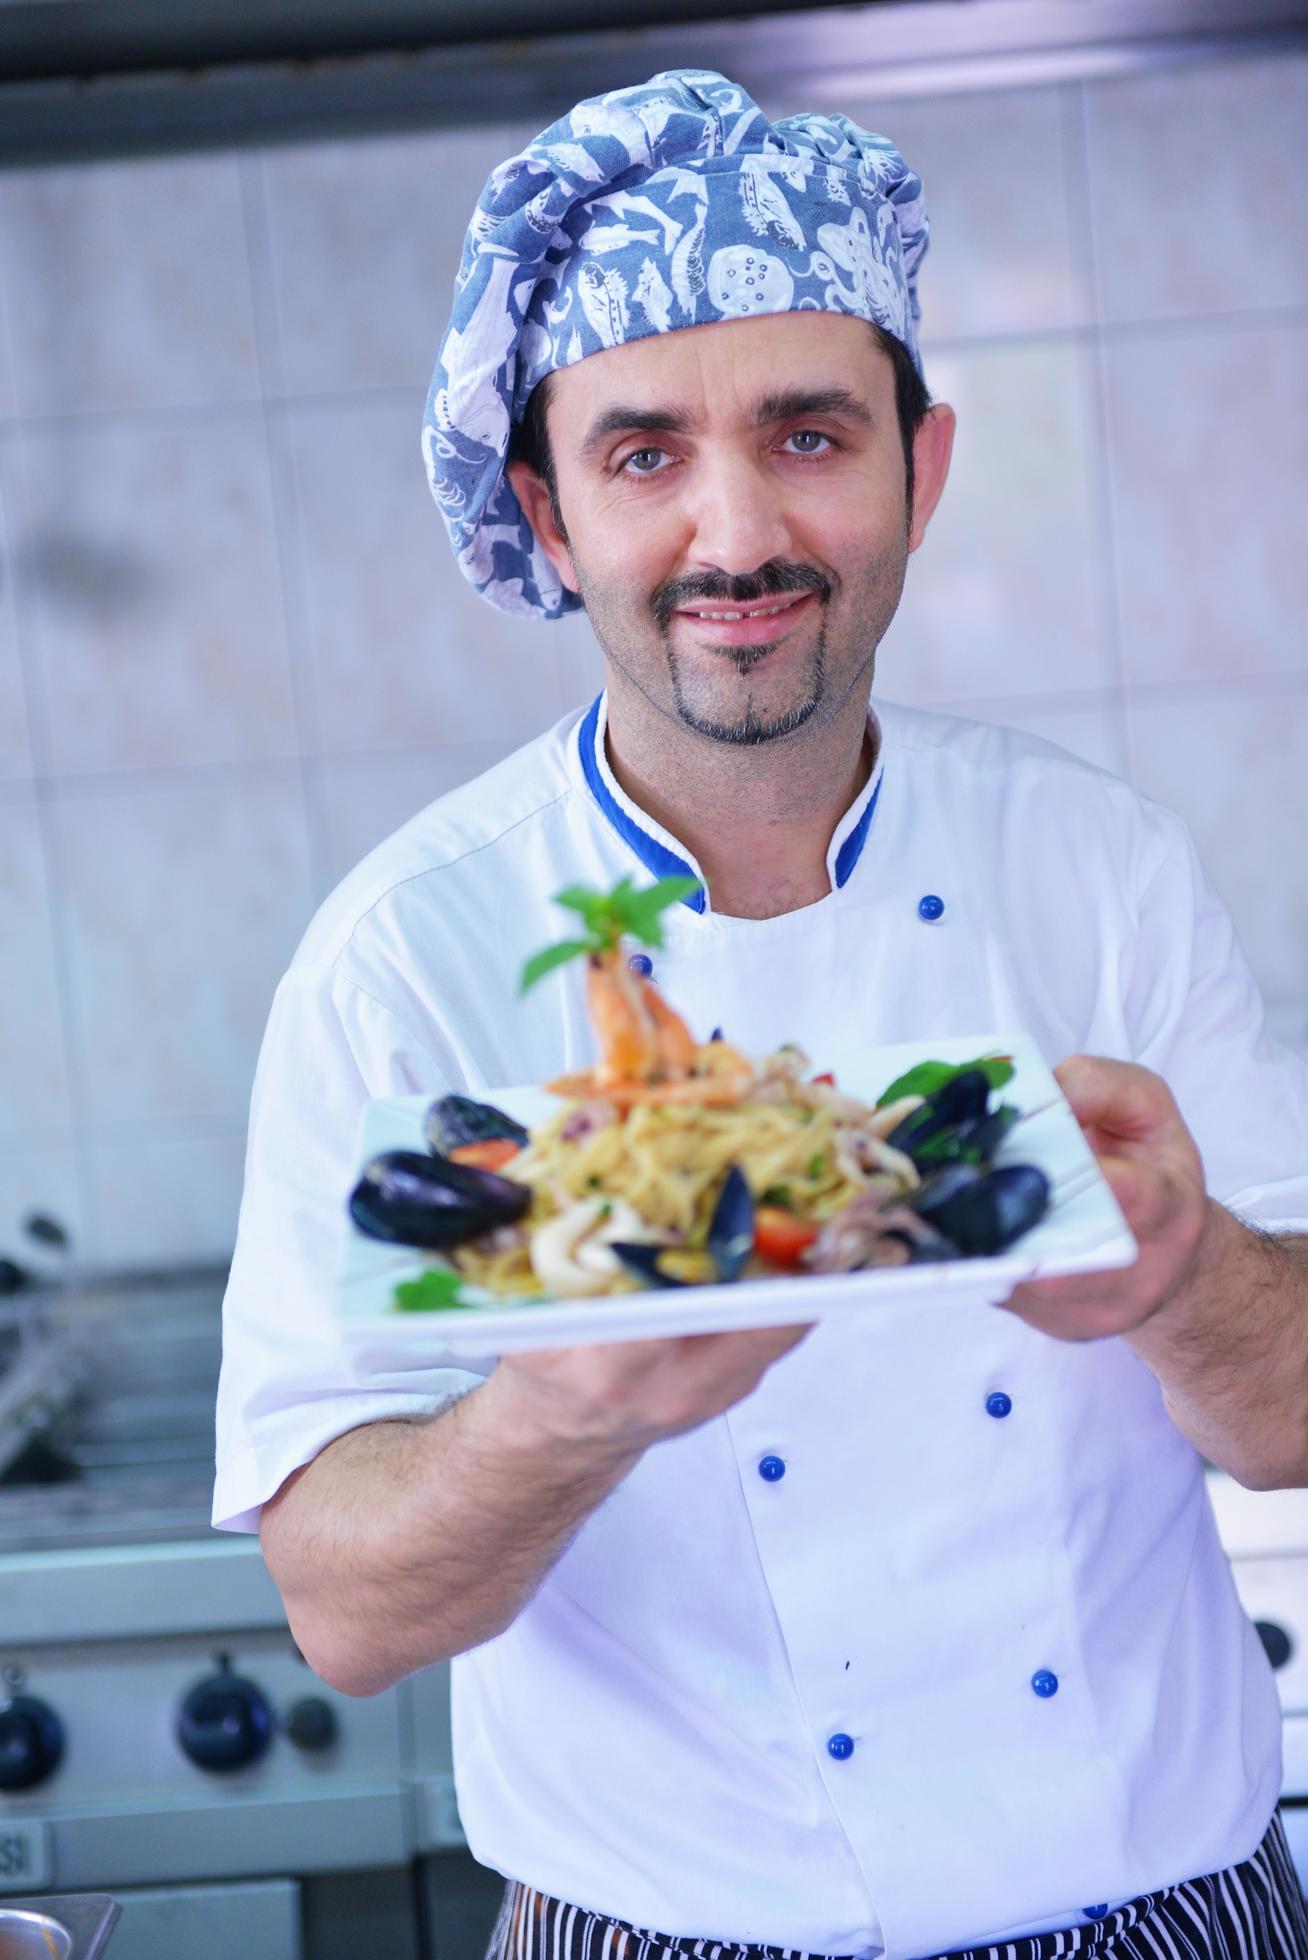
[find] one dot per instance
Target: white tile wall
(182, 905)
(1093, 727)
(1199, 193)
(174, 1194)
(402, 650)
(364, 798)
(148, 581)
(365, 240)
(1005, 595)
(1208, 447)
(1003, 254)
(34, 1075)
(15, 747)
(227, 599)
(128, 285)
(8, 403)
(1235, 764)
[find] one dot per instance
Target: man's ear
(533, 494)
(933, 445)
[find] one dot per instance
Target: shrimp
(647, 1053)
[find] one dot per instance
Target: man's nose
(737, 519)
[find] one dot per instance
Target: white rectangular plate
(1083, 1232)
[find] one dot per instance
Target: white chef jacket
(664, 1733)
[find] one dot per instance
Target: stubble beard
(876, 607)
(750, 729)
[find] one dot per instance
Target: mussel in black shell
(455, 1120)
(430, 1202)
(729, 1242)
(928, 1132)
(984, 1213)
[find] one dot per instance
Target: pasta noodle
(668, 1162)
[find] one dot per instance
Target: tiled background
(234, 651)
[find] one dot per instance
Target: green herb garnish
(817, 1164)
(436, 1289)
(608, 917)
(776, 1194)
(927, 1077)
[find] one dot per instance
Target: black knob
(225, 1722)
(1277, 1644)
(31, 1742)
(311, 1723)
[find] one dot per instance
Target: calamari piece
(859, 1152)
(570, 1253)
(870, 1231)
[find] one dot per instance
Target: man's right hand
(620, 1396)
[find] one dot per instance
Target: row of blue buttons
(929, 908)
(773, 1468)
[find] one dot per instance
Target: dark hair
(530, 442)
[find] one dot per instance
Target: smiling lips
(764, 610)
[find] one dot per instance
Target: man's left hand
(1150, 1160)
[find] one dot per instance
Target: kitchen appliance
(1266, 1537)
(161, 1738)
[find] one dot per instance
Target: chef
(907, 1635)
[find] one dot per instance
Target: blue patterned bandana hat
(669, 205)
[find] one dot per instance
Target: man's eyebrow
(781, 407)
(811, 401)
(617, 420)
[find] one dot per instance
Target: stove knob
(1277, 1644)
(225, 1722)
(311, 1723)
(31, 1742)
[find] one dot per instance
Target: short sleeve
(288, 1384)
(1195, 1016)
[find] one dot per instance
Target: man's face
(734, 503)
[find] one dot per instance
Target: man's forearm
(1231, 1351)
(406, 1542)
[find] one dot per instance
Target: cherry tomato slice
(492, 1154)
(780, 1237)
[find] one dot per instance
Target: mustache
(772, 580)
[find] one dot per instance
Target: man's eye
(644, 462)
(809, 442)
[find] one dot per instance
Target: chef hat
(663, 206)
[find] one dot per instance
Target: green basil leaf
(923, 1080)
(437, 1288)
(927, 1077)
(545, 961)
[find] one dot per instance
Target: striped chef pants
(1253, 1911)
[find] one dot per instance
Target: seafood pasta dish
(675, 1162)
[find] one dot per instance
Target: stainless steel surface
(119, 1600)
(413, 82)
(27, 1935)
(73, 1928)
(130, 1430)
(259, 1920)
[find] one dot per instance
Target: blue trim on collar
(661, 861)
(852, 848)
